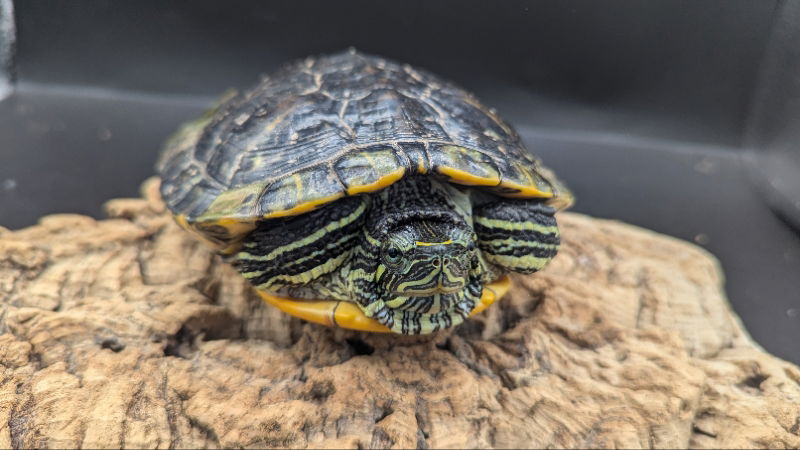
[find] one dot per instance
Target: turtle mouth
(443, 283)
(440, 289)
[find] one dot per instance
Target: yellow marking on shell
(276, 120)
(428, 244)
(524, 191)
(368, 157)
(232, 225)
(466, 166)
(421, 167)
(349, 315)
(230, 201)
(525, 187)
(382, 182)
(237, 229)
(466, 178)
(298, 183)
(530, 184)
(304, 207)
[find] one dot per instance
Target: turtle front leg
(297, 250)
(517, 235)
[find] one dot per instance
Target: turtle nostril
(436, 262)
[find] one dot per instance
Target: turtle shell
(323, 128)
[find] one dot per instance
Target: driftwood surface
(127, 332)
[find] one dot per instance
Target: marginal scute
(369, 170)
(300, 193)
(417, 158)
(189, 198)
(465, 166)
(520, 180)
(224, 234)
(562, 197)
(233, 203)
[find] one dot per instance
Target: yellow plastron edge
(337, 313)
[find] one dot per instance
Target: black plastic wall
(689, 66)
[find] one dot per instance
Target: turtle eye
(393, 254)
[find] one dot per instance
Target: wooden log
(127, 332)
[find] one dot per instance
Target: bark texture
(127, 332)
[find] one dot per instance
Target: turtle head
(425, 259)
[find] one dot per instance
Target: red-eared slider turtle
(355, 191)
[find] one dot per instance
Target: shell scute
(416, 157)
(300, 192)
(369, 170)
(465, 166)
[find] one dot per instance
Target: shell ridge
(401, 154)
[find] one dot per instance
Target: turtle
(356, 191)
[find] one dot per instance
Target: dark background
(675, 116)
